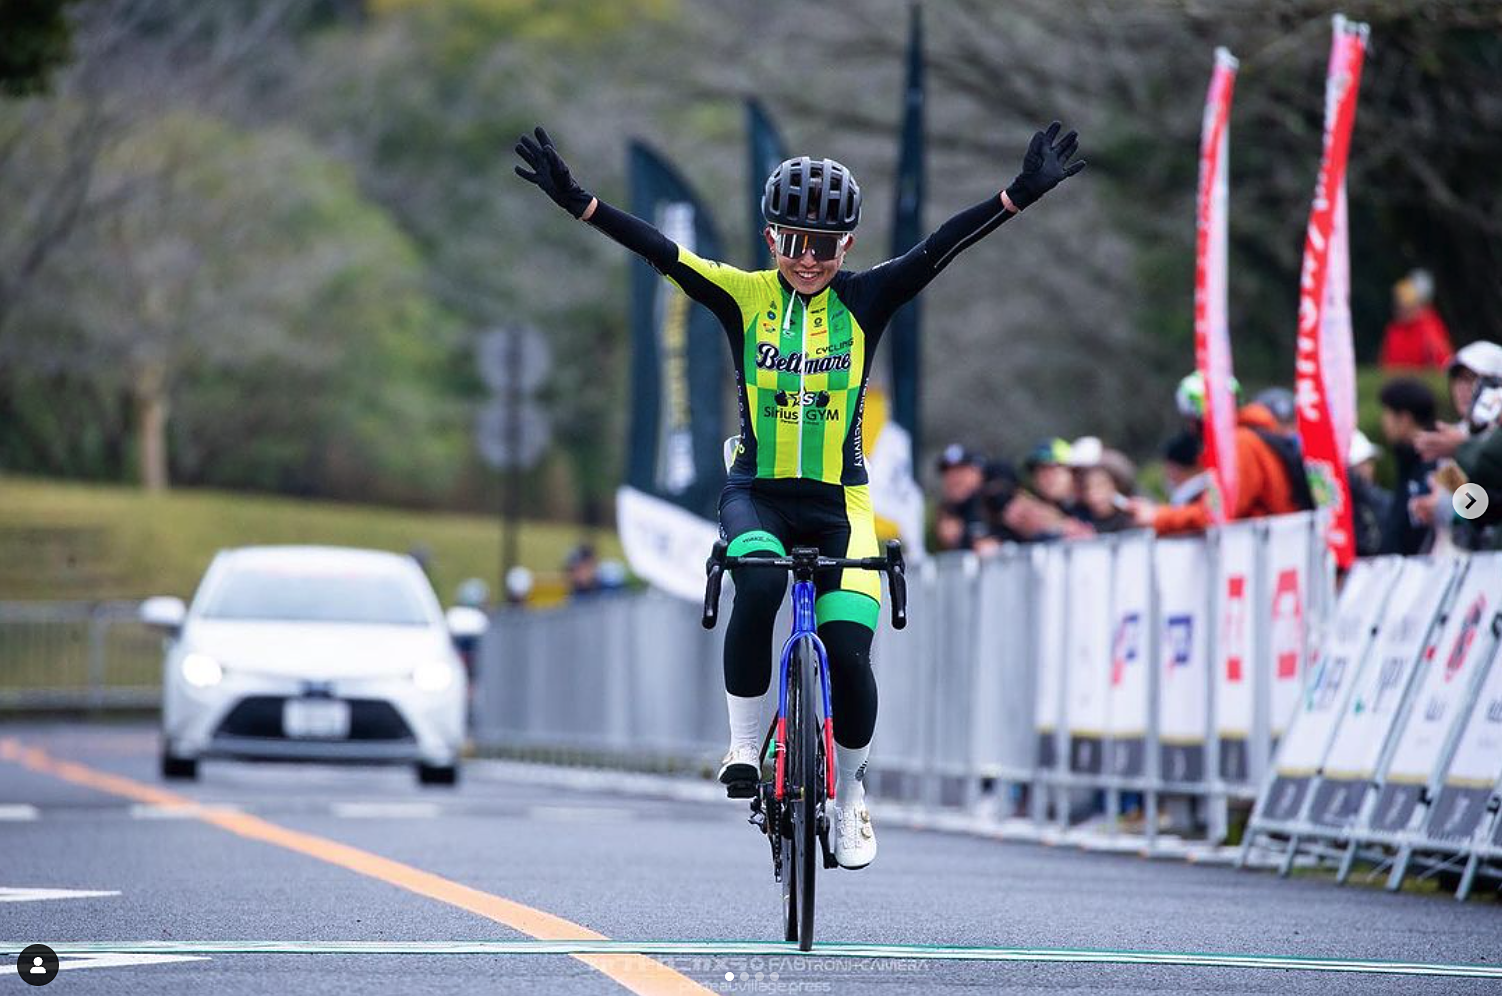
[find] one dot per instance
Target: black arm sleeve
(663, 255)
(636, 235)
(897, 281)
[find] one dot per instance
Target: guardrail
(77, 655)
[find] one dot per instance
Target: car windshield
(297, 595)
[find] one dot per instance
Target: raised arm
(1046, 165)
(546, 168)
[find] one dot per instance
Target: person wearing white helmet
(1470, 364)
(1369, 502)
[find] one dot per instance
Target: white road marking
(19, 812)
(193, 811)
(13, 895)
(900, 952)
(386, 810)
(578, 814)
(119, 960)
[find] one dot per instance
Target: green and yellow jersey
(801, 362)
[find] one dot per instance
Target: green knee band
(755, 541)
(847, 606)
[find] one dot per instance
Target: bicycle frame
(805, 627)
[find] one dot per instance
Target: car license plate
(323, 719)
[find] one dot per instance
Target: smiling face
(806, 274)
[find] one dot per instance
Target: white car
(313, 653)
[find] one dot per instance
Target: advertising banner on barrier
(1447, 682)
(1183, 677)
(1406, 634)
(1128, 707)
(1325, 368)
(1050, 565)
(1089, 656)
(1212, 332)
(1476, 765)
(1288, 610)
(1235, 585)
(1302, 750)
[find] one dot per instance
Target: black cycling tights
(748, 655)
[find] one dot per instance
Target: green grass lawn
(66, 540)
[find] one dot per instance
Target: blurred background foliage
(250, 244)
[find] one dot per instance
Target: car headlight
(202, 671)
(433, 676)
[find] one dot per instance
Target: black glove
(1045, 165)
(550, 173)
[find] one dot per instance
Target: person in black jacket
(1407, 409)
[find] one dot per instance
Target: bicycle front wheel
(803, 737)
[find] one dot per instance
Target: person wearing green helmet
(1269, 471)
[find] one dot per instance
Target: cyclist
(802, 338)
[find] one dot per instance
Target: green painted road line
(903, 952)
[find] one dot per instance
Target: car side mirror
(466, 623)
(164, 612)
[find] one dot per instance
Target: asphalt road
(309, 879)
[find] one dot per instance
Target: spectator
(1416, 338)
(999, 488)
(1104, 486)
(1476, 360)
(961, 519)
(1048, 467)
(473, 593)
(1369, 503)
(583, 569)
(1280, 404)
(518, 585)
(1268, 482)
(1184, 469)
(1480, 458)
(1407, 410)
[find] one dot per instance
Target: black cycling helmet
(816, 194)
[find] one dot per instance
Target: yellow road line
(637, 973)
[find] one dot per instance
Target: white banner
(665, 544)
(1288, 608)
(1449, 677)
(1478, 754)
(1377, 696)
(1089, 640)
(1127, 711)
(1235, 586)
(1182, 689)
(1302, 750)
(1051, 568)
(895, 494)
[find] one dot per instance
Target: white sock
(745, 720)
(850, 767)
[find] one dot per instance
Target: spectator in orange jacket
(1416, 338)
(1264, 484)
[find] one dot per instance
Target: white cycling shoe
(854, 837)
(740, 771)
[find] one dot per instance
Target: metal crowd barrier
(77, 655)
(1063, 678)
(1394, 753)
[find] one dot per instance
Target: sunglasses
(793, 243)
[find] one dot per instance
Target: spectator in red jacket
(1416, 338)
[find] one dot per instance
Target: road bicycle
(789, 808)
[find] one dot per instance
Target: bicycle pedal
(741, 790)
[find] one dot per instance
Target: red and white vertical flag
(1212, 334)
(1324, 366)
